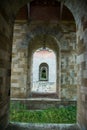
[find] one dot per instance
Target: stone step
(43, 103)
(36, 126)
(42, 95)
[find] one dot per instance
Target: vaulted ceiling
(45, 10)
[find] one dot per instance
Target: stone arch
(78, 8)
(39, 33)
(80, 16)
(64, 2)
(43, 72)
(43, 29)
(36, 43)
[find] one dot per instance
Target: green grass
(19, 113)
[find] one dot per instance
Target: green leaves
(51, 115)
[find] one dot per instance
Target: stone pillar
(19, 62)
(82, 73)
(5, 71)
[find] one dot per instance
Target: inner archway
(43, 76)
(38, 42)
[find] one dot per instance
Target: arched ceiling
(45, 10)
(9, 8)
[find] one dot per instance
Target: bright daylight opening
(43, 75)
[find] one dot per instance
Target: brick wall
(67, 44)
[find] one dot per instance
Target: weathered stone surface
(8, 10)
(30, 126)
(33, 38)
(43, 103)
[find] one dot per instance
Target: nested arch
(51, 43)
(74, 6)
(43, 72)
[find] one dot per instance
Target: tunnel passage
(8, 10)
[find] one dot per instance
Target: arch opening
(43, 72)
(44, 79)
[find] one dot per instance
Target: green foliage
(19, 113)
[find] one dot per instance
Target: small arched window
(43, 72)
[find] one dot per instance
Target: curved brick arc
(40, 30)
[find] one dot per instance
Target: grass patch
(19, 113)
